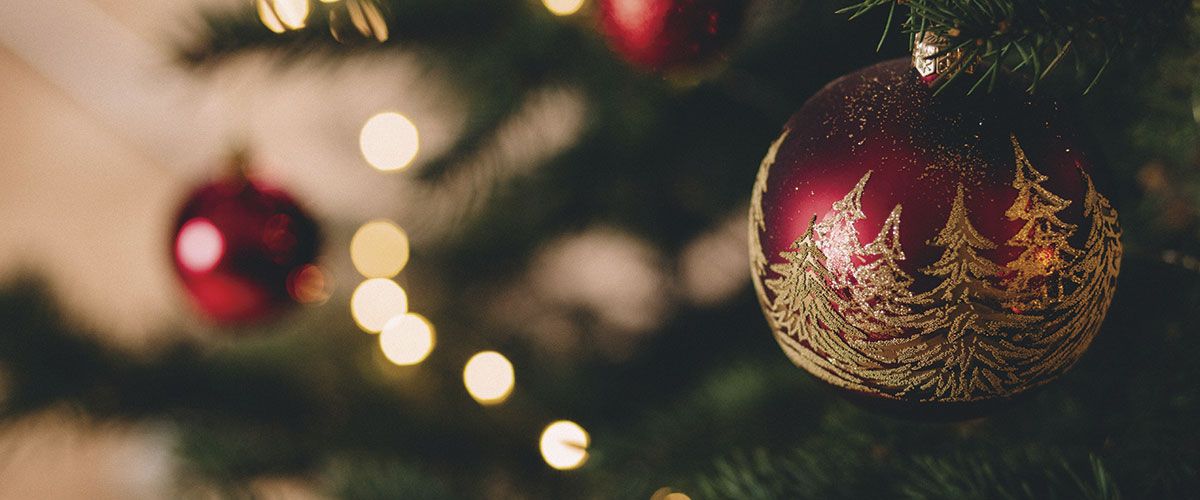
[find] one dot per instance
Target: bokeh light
(199, 246)
(266, 14)
(564, 445)
(407, 339)
(376, 301)
(563, 7)
(309, 285)
(666, 493)
(489, 377)
(282, 15)
(292, 13)
(379, 249)
(389, 141)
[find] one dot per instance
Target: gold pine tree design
(1093, 277)
(806, 307)
(864, 329)
(972, 358)
(881, 292)
(758, 258)
(838, 237)
(1043, 239)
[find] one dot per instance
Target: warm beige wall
(83, 208)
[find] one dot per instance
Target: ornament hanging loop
(238, 164)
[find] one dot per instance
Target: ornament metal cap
(238, 164)
(930, 58)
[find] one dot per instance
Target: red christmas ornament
(244, 250)
(932, 253)
(670, 34)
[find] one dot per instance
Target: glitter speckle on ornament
(926, 249)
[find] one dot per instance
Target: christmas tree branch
(492, 53)
(1033, 37)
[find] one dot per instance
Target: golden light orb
(389, 141)
(407, 340)
(489, 377)
(379, 249)
(292, 14)
(564, 445)
(266, 14)
(666, 493)
(563, 7)
(375, 302)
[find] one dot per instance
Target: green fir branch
(1034, 38)
(1022, 474)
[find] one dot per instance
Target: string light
(389, 141)
(489, 377)
(379, 249)
(282, 15)
(564, 445)
(666, 493)
(563, 7)
(266, 14)
(407, 340)
(376, 301)
(292, 13)
(309, 285)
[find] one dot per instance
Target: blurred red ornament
(245, 251)
(931, 253)
(669, 34)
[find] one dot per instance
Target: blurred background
(538, 197)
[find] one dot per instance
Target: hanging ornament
(245, 251)
(660, 35)
(931, 253)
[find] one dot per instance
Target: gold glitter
(1043, 238)
(758, 259)
(846, 312)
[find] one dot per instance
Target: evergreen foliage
(1034, 36)
(666, 162)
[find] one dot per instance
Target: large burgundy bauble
(931, 250)
(243, 250)
(670, 34)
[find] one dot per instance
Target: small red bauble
(670, 34)
(243, 250)
(933, 251)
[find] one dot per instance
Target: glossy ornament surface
(928, 250)
(669, 34)
(244, 251)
